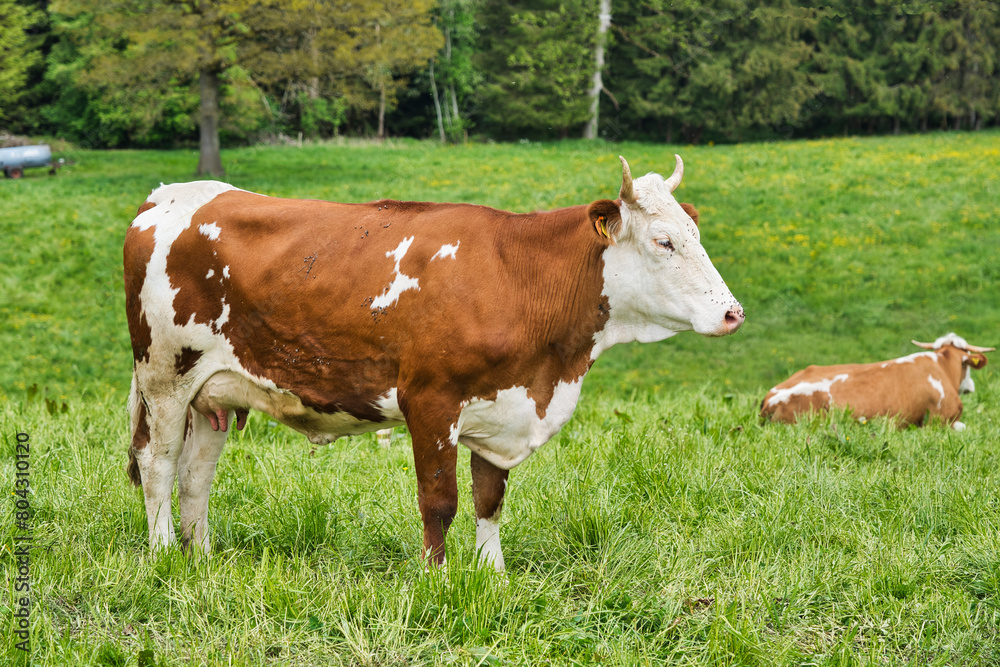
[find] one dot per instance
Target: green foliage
(536, 63)
(457, 73)
(718, 67)
(16, 55)
(685, 70)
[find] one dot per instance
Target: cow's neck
(556, 259)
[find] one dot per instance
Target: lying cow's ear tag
(977, 361)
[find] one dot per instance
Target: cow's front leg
(435, 457)
(489, 483)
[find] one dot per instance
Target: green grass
(664, 525)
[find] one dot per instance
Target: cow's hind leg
(489, 483)
(195, 471)
(156, 459)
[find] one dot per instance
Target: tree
(330, 57)
(967, 89)
(603, 23)
(536, 65)
(455, 68)
(155, 44)
(719, 66)
(397, 39)
(16, 56)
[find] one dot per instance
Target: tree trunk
(314, 54)
(381, 110)
(437, 105)
(895, 125)
(456, 119)
(604, 22)
(209, 158)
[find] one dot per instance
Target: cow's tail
(137, 414)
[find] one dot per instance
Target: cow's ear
(606, 217)
(977, 360)
(690, 210)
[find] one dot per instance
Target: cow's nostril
(734, 318)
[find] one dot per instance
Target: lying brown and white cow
(910, 388)
(468, 324)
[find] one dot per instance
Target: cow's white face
(658, 278)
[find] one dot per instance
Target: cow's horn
(976, 348)
(626, 193)
(675, 178)
(926, 346)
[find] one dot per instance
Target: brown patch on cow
(139, 247)
(489, 483)
(199, 297)
(146, 205)
(691, 211)
(185, 360)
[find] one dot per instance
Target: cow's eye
(665, 244)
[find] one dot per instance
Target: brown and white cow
(910, 388)
(468, 324)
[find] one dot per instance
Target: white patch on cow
(211, 272)
(176, 203)
(488, 543)
(211, 230)
(224, 317)
(388, 405)
(400, 282)
(447, 250)
(912, 358)
(507, 429)
(937, 385)
(958, 426)
(225, 271)
(805, 389)
(967, 385)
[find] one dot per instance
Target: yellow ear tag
(602, 226)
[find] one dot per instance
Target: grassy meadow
(664, 525)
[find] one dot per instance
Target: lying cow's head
(657, 276)
(972, 357)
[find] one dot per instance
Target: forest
(169, 73)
